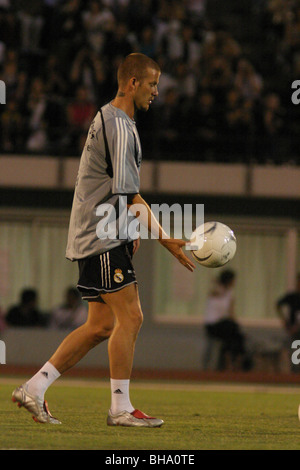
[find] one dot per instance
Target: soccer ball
(215, 244)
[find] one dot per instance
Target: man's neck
(124, 103)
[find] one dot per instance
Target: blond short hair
(135, 65)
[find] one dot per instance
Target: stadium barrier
(195, 178)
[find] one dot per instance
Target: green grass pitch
(195, 419)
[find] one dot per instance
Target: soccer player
(108, 172)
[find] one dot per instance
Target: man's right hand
(174, 246)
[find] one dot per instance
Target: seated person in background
(26, 314)
(2, 321)
(71, 314)
(220, 322)
(288, 308)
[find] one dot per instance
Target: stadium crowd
(225, 89)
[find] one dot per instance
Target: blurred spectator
(226, 46)
(71, 314)
(220, 43)
(237, 127)
(12, 127)
(185, 80)
(270, 128)
(191, 48)
(292, 31)
(140, 13)
(179, 43)
(196, 8)
(147, 42)
(169, 122)
(221, 323)
(37, 125)
(26, 313)
(69, 32)
(204, 126)
(45, 118)
(31, 23)
(5, 4)
(247, 81)
(118, 42)
(120, 8)
(97, 20)
(88, 71)
(20, 92)
(9, 73)
(80, 114)
(288, 308)
(218, 79)
(9, 29)
(55, 83)
(166, 79)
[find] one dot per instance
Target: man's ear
(134, 82)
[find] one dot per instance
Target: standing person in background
(108, 174)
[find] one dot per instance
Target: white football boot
(36, 406)
(136, 418)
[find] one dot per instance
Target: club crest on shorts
(118, 276)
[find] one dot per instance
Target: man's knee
(101, 333)
(126, 308)
(138, 317)
(132, 318)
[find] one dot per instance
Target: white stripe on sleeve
(122, 138)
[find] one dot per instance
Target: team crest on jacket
(118, 276)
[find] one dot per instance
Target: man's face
(146, 90)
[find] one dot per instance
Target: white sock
(120, 400)
(39, 383)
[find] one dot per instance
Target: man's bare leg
(96, 329)
(126, 307)
(77, 344)
(74, 347)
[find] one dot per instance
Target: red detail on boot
(140, 415)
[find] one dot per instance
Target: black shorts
(108, 272)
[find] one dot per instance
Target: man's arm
(146, 218)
